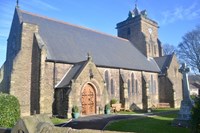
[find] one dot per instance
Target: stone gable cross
(17, 3)
(184, 69)
(184, 114)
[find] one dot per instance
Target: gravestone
(184, 114)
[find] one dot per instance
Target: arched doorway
(88, 100)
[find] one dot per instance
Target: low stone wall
(42, 124)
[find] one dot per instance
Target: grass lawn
(127, 112)
(164, 109)
(153, 111)
(56, 121)
(158, 124)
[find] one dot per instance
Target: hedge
(195, 116)
(9, 110)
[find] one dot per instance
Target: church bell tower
(141, 31)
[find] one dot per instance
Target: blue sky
(175, 17)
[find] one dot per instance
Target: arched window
(151, 85)
(107, 80)
(175, 71)
(136, 86)
(133, 83)
(112, 87)
(155, 49)
(129, 87)
(149, 47)
(154, 87)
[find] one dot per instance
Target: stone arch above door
(88, 99)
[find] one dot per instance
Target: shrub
(113, 101)
(195, 116)
(75, 109)
(9, 110)
(193, 96)
(107, 106)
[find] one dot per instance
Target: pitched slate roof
(71, 74)
(194, 78)
(69, 43)
(164, 62)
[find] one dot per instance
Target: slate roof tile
(164, 62)
(69, 43)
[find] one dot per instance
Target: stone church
(52, 65)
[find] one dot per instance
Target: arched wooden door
(88, 100)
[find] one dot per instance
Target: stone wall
(130, 30)
(113, 77)
(60, 70)
(171, 85)
(150, 30)
(61, 98)
(68, 97)
(137, 30)
(46, 85)
(1, 73)
(176, 78)
(22, 74)
(134, 98)
(35, 78)
(145, 93)
(61, 102)
(2, 88)
(96, 81)
(166, 91)
(134, 95)
(153, 94)
(20, 85)
(13, 48)
(18, 65)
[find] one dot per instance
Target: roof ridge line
(74, 25)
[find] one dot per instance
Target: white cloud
(39, 4)
(180, 13)
(46, 5)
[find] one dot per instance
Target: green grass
(158, 124)
(153, 111)
(127, 112)
(56, 121)
(164, 109)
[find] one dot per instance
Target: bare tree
(189, 49)
(168, 49)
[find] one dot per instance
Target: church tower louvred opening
(141, 31)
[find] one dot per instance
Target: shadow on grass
(158, 124)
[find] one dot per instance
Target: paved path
(99, 122)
